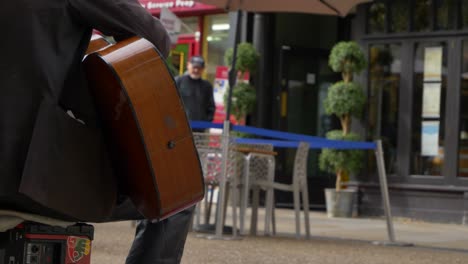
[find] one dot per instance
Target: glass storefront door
(305, 78)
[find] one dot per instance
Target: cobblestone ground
(112, 242)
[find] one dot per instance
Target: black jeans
(161, 242)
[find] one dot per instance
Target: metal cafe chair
(209, 147)
(259, 164)
(297, 187)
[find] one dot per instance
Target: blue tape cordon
(287, 140)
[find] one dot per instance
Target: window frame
(408, 40)
(457, 19)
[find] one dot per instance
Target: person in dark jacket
(197, 94)
(50, 163)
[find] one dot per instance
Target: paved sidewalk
(450, 236)
(334, 240)
(419, 233)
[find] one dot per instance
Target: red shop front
(205, 32)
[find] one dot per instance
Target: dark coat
(50, 163)
(197, 96)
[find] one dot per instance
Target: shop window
(464, 11)
(463, 146)
(384, 86)
(377, 16)
(422, 15)
(190, 25)
(430, 65)
(399, 16)
(396, 16)
(445, 10)
(216, 42)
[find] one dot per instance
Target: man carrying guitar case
(52, 164)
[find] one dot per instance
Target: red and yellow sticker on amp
(78, 250)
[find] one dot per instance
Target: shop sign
(155, 6)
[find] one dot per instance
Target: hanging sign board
(171, 23)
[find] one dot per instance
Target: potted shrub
(244, 95)
(345, 99)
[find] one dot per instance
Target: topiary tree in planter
(244, 95)
(345, 99)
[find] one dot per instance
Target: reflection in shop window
(463, 149)
(190, 25)
(464, 11)
(399, 19)
(384, 86)
(376, 21)
(216, 41)
(422, 15)
(445, 12)
(430, 66)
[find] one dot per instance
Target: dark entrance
(304, 81)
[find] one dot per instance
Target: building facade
(417, 88)
(416, 83)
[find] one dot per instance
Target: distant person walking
(196, 93)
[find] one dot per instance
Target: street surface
(112, 242)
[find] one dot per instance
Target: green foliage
(237, 134)
(345, 98)
(244, 98)
(172, 69)
(338, 135)
(377, 17)
(247, 57)
(333, 160)
(244, 95)
(347, 57)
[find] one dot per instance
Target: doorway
(304, 78)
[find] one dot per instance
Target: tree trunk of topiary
(345, 124)
(240, 76)
(347, 77)
(339, 177)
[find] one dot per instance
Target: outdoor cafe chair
(209, 147)
(297, 187)
(259, 164)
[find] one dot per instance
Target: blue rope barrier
(288, 140)
(275, 143)
(205, 125)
